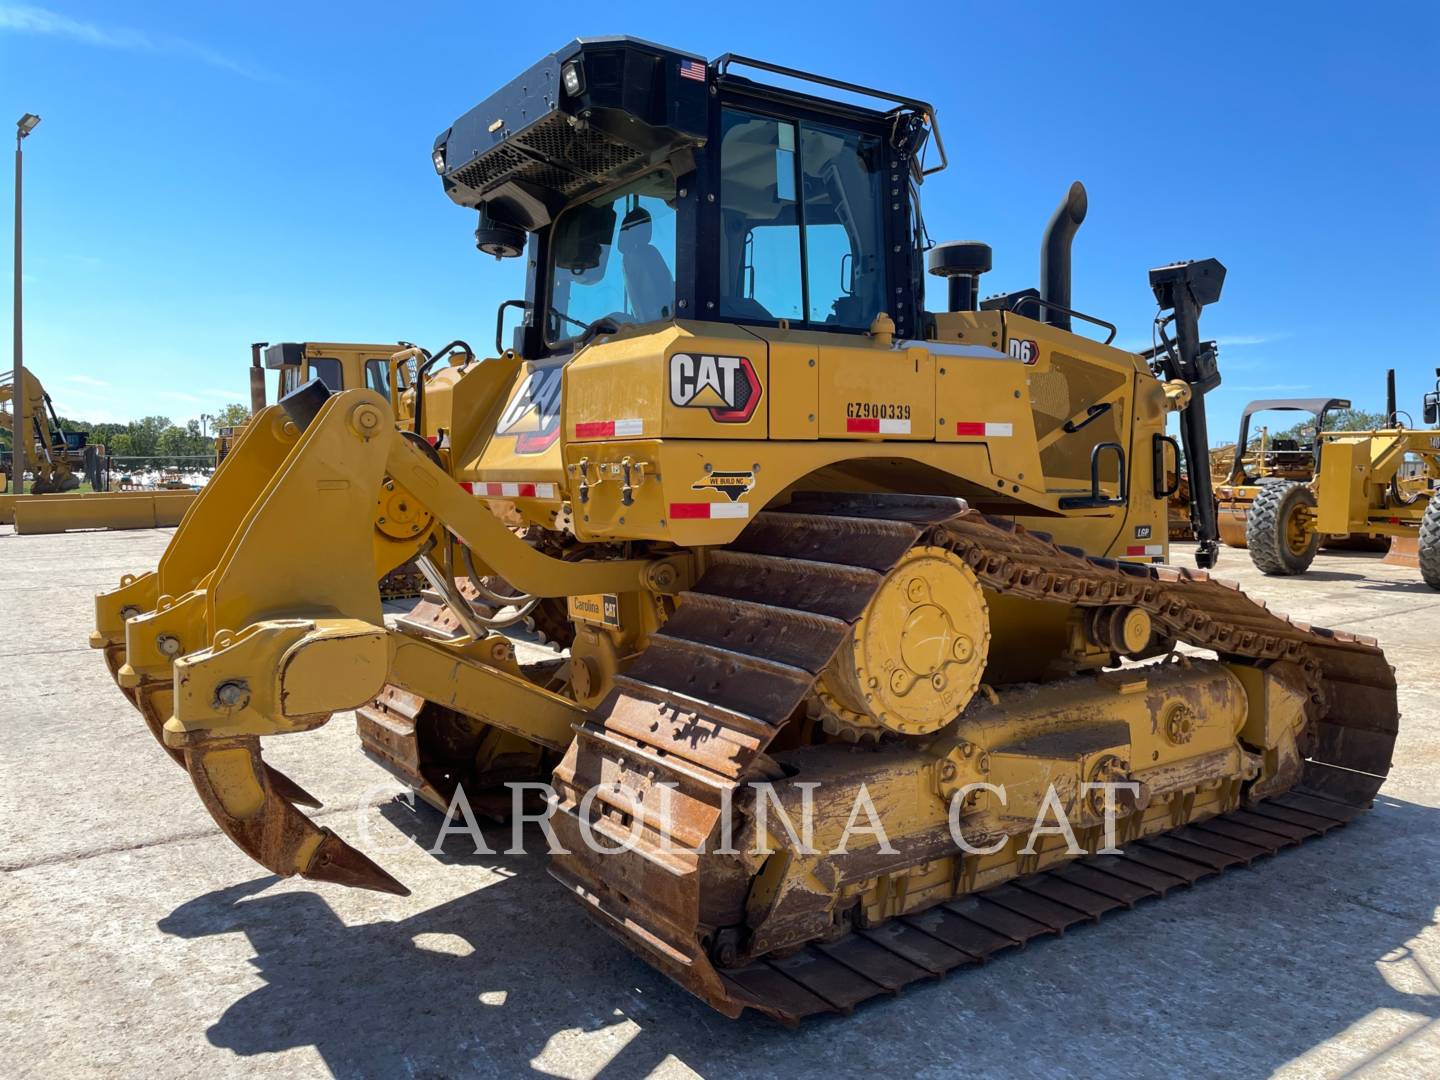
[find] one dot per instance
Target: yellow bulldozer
(1362, 489)
(61, 460)
(830, 555)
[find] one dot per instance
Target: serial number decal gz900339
(876, 410)
(877, 418)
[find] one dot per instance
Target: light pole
(23, 127)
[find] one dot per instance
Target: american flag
(692, 69)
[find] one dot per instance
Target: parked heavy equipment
(819, 545)
(60, 459)
(1369, 484)
(1269, 459)
(339, 365)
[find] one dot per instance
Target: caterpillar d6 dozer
(820, 546)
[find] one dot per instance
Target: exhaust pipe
(1392, 413)
(257, 377)
(1055, 255)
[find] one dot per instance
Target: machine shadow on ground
(1246, 973)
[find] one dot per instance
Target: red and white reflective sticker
(693, 510)
(1144, 549)
(984, 429)
(609, 429)
(877, 427)
(510, 490)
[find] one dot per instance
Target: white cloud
(1271, 387)
(176, 395)
(84, 380)
(1239, 340)
(24, 19)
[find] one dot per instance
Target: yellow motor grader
(1268, 460)
(823, 548)
(1368, 486)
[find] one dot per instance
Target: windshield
(613, 258)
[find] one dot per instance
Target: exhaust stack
(1392, 414)
(1055, 255)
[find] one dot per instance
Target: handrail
(1021, 299)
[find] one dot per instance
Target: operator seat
(647, 279)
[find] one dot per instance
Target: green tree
(1354, 420)
(145, 434)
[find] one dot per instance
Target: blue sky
(209, 175)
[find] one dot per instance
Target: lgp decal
(725, 385)
(533, 415)
(1142, 532)
(1024, 350)
(730, 484)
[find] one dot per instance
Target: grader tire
(1277, 545)
(1430, 543)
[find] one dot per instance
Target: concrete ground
(137, 942)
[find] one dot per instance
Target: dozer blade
(249, 801)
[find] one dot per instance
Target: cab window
(802, 237)
(327, 370)
(613, 257)
(377, 377)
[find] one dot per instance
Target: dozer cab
(824, 546)
(1354, 489)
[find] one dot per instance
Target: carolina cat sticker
(725, 385)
